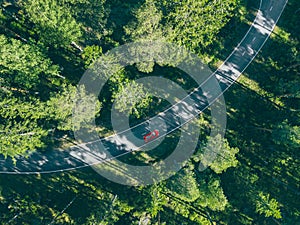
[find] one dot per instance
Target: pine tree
(268, 207)
(20, 129)
(52, 21)
(23, 65)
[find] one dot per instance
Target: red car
(150, 136)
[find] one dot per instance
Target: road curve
(82, 156)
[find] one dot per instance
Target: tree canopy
(52, 21)
(21, 131)
(251, 175)
(22, 65)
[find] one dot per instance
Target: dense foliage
(46, 45)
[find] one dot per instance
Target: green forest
(47, 45)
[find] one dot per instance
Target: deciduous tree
(61, 105)
(132, 98)
(223, 156)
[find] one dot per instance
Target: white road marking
(254, 25)
(254, 39)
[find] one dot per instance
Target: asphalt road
(124, 142)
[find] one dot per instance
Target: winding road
(120, 144)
